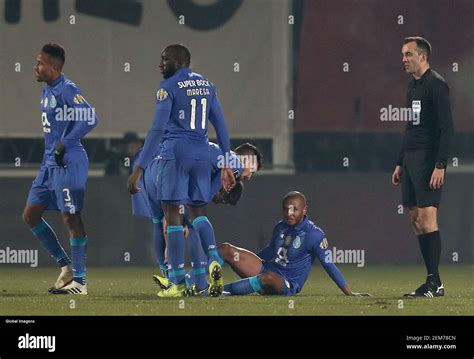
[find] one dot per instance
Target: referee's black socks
(430, 245)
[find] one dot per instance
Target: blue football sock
(198, 259)
(159, 242)
(189, 279)
(200, 278)
(244, 286)
(206, 233)
(50, 242)
(176, 253)
(78, 254)
(164, 270)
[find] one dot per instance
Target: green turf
(131, 291)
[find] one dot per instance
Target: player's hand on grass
(59, 151)
(347, 291)
(228, 179)
(133, 180)
(397, 175)
(437, 178)
(355, 294)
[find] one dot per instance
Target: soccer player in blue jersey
(244, 161)
(61, 181)
(185, 102)
(282, 267)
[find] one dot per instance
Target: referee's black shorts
(418, 166)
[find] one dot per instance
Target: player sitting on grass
(283, 266)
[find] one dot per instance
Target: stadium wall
(113, 51)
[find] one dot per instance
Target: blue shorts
(60, 189)
(146, 203)
(183, 181)
(140, 205)
(290, 288)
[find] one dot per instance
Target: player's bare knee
(30, 218)
(268, 280)
(427, 224)
(226, 251)
(71, 220)
(428, 227)
(195, 212)
(416, 224)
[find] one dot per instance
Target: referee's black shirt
(434, 129)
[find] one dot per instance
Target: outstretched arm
(325, 257)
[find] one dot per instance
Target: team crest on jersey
(297, 242)
(45, 102)
(323, 244)
(53, 102)
(161, 95)
(78, 99)
(287, 240)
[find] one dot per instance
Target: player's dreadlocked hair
(181, 53)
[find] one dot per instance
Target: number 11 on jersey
(203, 113)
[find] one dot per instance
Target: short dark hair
(249, 149)
(56, 51)
(422, 44)
(294, 194)
(181, 53)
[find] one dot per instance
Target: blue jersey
(293, 250)
(140, 200)
(184, 104)
(217, 158)
(66, 117)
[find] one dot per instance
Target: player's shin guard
(78, 254)
(244, 286)
(50, 242)
(176, 253)
(159, 242)
(206, 233)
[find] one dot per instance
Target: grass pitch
(131, 291)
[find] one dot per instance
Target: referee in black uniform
(423, 158)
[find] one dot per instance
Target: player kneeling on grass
(283, 266)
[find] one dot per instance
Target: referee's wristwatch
(440, 165)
